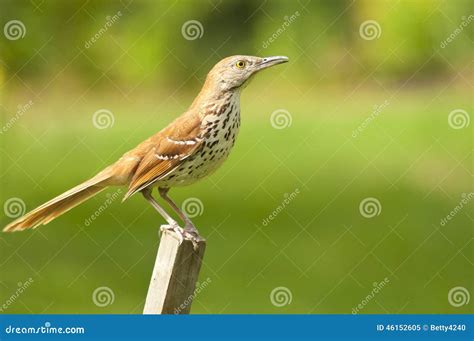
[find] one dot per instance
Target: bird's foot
(192, 234)
(174, 227)
(189, 232)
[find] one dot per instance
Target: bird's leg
(172, 224)
(189, 226)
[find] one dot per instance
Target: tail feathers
(58, 205)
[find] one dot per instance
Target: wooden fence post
(174, 277)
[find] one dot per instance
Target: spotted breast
(220, 126)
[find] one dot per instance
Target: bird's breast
(219, 130)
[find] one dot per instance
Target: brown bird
(190, 148)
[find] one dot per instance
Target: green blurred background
(369, 112)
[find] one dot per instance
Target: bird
(190, 148)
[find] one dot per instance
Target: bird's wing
(169, 148)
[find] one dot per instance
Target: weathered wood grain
(174, 277)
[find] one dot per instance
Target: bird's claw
(178, 230)
(191, 234)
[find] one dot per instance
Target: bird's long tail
(60, 204)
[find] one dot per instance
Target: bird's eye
(240, 64)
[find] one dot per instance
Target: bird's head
(232, 72)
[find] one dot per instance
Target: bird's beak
(270, 61)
